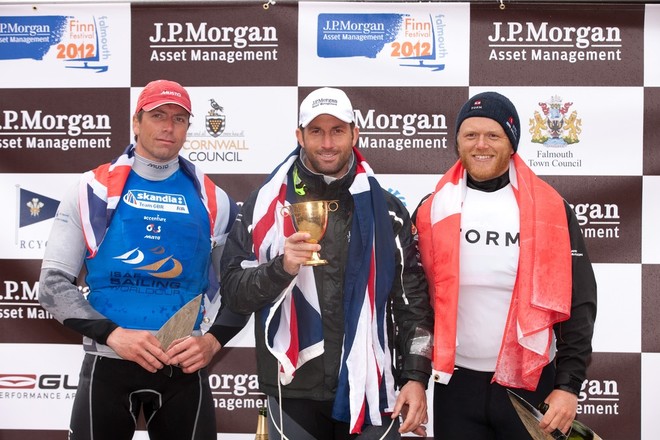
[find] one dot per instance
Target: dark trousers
(471, 407)
(112, 392)
(305, 419)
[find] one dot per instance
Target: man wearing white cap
(144, 227)
(325, 334)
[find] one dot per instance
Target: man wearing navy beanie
(511, 282)
(494, 106)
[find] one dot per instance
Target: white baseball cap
(326, 101)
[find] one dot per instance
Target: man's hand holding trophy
(309, 217)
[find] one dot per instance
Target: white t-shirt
(489, 251)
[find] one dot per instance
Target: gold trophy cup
(311, 217)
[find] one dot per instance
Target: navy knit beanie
(494, 106)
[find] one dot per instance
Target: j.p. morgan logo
(236, 391)
(599, 397)
(413, 42)
(401, 131)
(598, 220)
(205, 42)
(36, 129)
(545, 41)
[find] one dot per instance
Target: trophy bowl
(311, 217)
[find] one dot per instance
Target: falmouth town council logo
(553, 126)
(215, 120)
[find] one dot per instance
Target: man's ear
(300, 137)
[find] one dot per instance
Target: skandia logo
(157, 201)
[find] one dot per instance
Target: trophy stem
(315, 260)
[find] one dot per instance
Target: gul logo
(515, 41)
(215, 120)
(81, 43)
(377, 130)
(598, 220)
(33, 386)
(260, 42)
(18, 381)
(412, 41)
(168, 267)
(555, 127)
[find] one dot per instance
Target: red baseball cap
(161, 92)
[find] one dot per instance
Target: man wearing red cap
(513, 289)
(146, 227)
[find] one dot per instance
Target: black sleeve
(247, 286)
(411, 307)
(574, 335)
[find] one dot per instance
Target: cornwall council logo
(553, 126)
(215, 121)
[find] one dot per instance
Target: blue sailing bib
(155, 255)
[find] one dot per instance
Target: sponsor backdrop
(585, 79)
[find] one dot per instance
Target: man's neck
(490, 185)
(151, 170)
